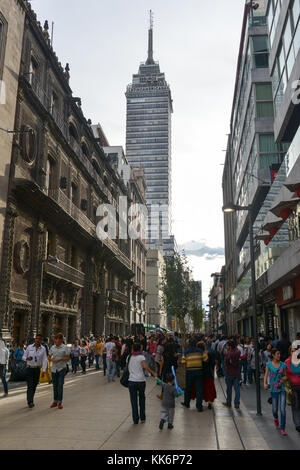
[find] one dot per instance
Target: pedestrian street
(97, 416)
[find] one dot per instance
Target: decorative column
(38, 253)
(50, 327)
(6, 267)
(87, 298)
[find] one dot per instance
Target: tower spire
(150, 60)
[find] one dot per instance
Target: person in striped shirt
(192, 361)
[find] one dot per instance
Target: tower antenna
(150, 60)
(151, 19)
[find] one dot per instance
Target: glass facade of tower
(148, 143)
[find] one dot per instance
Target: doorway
(18, 328)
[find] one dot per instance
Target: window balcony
(117, 296)
(66, 204)
(66, 272)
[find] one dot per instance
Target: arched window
(84, 149)
(96, 166)
(72, 131)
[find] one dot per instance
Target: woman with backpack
(278, 376)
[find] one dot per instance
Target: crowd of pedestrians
(203, 359)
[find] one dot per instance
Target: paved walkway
(97, 415)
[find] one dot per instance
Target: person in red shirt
(232, 367)
(151, 348)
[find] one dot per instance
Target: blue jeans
(75, 364)
(111, 369)
(233, 381)
(3, 377)
(279, 397)
(97, 357)
(223, 366)
(194, 376)
(137, 389)
(251, 374)
(244, 368)
(58, 379)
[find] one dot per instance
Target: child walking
(168, 402)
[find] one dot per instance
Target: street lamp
(52, 260)
(230, 209)
(107, 303)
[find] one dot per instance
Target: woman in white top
(137, 382)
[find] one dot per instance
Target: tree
(197, 315)
(176, 287)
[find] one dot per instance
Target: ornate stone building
(12, 18)
(59, 176)
(138, 296)
(136, 209)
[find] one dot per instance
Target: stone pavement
(97, 415)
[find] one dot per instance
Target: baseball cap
(296, 344)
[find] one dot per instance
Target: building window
(261, 51)
(50, 244)
(33, 68)
(264, 100)
(74, 193)
(53, 103)
(270, 152)
(73, 257)
(84, 149)
(73, 132)
(3, 35)
(50, 176)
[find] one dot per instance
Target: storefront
(288, 299)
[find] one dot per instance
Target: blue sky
(196, 43)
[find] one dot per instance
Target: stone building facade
(12, 18)
(59, 176)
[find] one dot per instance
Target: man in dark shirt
(232, 367)
(283, 345)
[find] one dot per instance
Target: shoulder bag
(125, 376)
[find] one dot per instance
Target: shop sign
(287, 293)
(270, 322)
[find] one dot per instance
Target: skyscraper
(148, 143)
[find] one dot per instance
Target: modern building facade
(59, 176)
(252, 161)
(277, 229)
(278, 286)
(148, 144)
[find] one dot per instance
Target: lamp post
(52, 260)
(229, 209)
(107, 303)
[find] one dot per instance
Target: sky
(196, 43)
